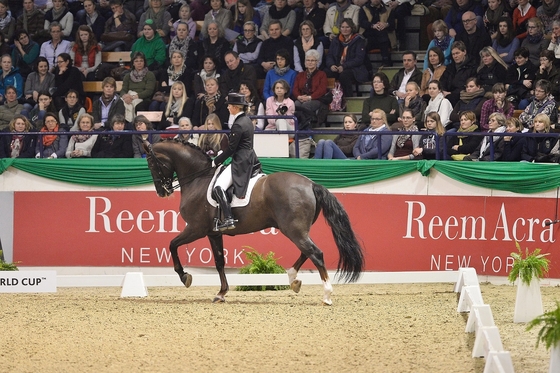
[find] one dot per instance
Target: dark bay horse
(287, 201)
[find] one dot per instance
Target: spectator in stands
(275, 42)
(81, 145)
(9, 108)
(238, 72)
(492, 69)
(24, 53)
(86, 52)
(10, 77)
(376, 21)
(39, 80)
(212, 143)
(248, 45)
(310, 88)
(281, 70)
(442, 40)
(212, 102)
(498, 104)
(540, 149)
(454, 18)
(178, 105)
(199, 8)
(256, 106)
(548, 71)
(184, 17)
(505, 42)
(513, 145)
(218, 14)
(32, 20)
(475, 38)
(183, 43)
(120, 28)
(215, 44)
(367, 146)
(342, 147)
(138, 86)
(456, 74)
(413, 102)
(520, 77)
(160, 17)
(433, 71)
(521, 16)
(496, 124)
(44, 105)
(342, 10)
(21, 144)
(307, 41)
(108, 105)
(53, 146)
(430, 147)
(542, 103)
(497, 9)
(7, 22)
(280, 12)
(208, 70)
(408, 73)
(69, 113)
(113, 146)
(458, 147)
(535, 42)
(176, 72)
(312, 13)
(141, 123)
(185, 124)
(555, 42)
(438, 103)
(52, 48)
(380, 99)
(548, 12)
(92, 18)
(152, 47)
(471, 99)
(59, 13)
(280, 104)
(401, 9)
(66, 77)
(346, 56)
(402, 146)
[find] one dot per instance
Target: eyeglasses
(59, 62)
(248, 30)
(469, 20)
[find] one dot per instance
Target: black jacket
(200, 112)
(117, 107)
(27, 150)
(455, 77)
(113, 146)
(490, 75)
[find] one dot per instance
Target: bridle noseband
(157, 165)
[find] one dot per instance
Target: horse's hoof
(187, 280)
(296, 286)
(327, 302)
(219, 299)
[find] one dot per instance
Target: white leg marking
(295, 284)
(328, 291)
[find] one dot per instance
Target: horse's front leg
(217, 243)
(183, 238)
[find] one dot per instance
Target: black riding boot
(228, 222)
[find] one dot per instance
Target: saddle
(256, 174)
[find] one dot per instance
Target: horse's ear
(147, 146)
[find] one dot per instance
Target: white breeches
(225, 180)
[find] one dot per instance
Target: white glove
(53, 155)
(38, 155)
(213, 164)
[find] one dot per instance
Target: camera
(282, 110)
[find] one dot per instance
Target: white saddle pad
(236, 202)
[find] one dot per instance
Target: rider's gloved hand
(213, 164)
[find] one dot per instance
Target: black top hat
(237, 99)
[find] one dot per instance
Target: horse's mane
(185, 142)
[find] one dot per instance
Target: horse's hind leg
(183, 238)
(217, 244)
(295, 284)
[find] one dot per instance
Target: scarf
(176, 107)
(345, 45)
(308, 87)
(204, 75)
(57, 15)
(156, 17)
(173, 75)
(211, 102)
(535, 39)
(137, 76)
(81, 138)
(402, 139)
(468, 97)
(49, 139)
(504, 41)
(486, 143)
(493, 16)
(70, 114)
(307, 44)
(279, 14)
(16, 145)
(339, 14)
(471, 129)
(550, 10)
(281, 71)
(180, 45)
(444, 43)
(5, 21)
(27, 16)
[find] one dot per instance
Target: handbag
(118, 73)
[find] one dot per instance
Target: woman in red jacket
(86, 52)
(309, 88)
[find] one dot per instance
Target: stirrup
(228, 223)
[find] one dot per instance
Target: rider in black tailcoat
(243, 156)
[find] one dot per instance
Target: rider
(240, 148)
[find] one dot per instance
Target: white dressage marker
(467, 277)
(498, 362)
(488, 339)
(480, 315)
(470, 295)
(133, 285)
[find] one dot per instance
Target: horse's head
(161, 169)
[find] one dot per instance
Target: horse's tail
(351, 257)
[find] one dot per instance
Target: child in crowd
(280, 104)
(184, 16)
(429, 147)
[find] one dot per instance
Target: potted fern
(549, 334)
(261, 264)
(527, 272)
(4, 266)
